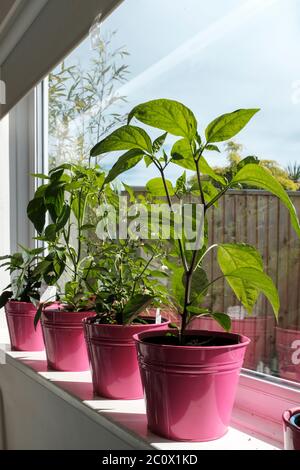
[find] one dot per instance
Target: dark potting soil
(192, 340)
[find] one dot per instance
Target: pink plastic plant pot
(23, 336)
(64, 339)
(190, 390)
(113, 360)
(259, 329)
(288, 351)
(291, 431)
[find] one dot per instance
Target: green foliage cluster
(119, 278)
(108, 276)
(289, 178)
(25, 282)
(241, 265)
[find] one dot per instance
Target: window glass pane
(215, 57)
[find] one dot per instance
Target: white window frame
(27, 148)
(260, 399)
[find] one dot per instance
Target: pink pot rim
(139, 337)
(88, 320)
(19, 302)
(56, 310)
(53, 316)
(287, 414)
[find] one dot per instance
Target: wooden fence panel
(258, 218)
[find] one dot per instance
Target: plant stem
(183, 258)
(191, 269)
(66, 238)
(197, 160)
(141, 273)
(204, 254)
(187, 295)
(79, 229)
(199, 183)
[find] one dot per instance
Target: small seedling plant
(25, 285)
(128, 281)
(107, 276)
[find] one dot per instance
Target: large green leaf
(156, 187)
(54, 271)
(198, 285)
(258, 176)
(182, 154)
(124, 138)
(54, 199)
(176, 284)
(222, 319)
(228, 125)
(238, 255)
(50, 232)
(124, 163)
(256, 279)
(168, 115)
(36, 212)
(63, 217)
(235, 256)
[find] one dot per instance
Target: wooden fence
(258, 218)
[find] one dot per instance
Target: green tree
(83, 102)
(280, 174)
(234, 157)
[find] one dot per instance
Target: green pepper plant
(59, 211)
(240, 264)
(107, 276)
(127, 282)
(25, 285)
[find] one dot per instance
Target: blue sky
(215, 56)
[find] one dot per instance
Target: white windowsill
(125, 418)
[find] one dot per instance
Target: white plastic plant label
(157, 316)
(49, 294)
(237, 312)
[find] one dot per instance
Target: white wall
(35, 414)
